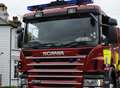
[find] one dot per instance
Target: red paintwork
(88, 56)
(86, 52)
(91, 54)
(64, 9)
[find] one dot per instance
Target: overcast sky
(18, 7)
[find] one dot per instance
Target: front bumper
(93, 81)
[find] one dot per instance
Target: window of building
(15, 69)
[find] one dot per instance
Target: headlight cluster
(24, 86)
(24, 82)
(96, 83)
(36, 81)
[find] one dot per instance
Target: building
(4, 52)
(3, 12)
(9, 53)
(15, 51)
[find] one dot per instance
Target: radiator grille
(56, 72)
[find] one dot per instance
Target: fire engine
(69, 44)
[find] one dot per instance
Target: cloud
(111, 7)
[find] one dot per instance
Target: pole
(10, 57)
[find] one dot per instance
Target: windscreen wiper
(33, 44)
(75, 43)
(93, 16)
(37, 44)
(49, 44)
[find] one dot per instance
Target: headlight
(36, 81)
(24, 86)
(93, 82)
(24, 81)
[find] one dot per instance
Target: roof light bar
(57, 3)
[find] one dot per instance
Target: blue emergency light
(57, 3)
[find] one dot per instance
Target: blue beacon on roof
(70, 2)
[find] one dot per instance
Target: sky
(19, 7)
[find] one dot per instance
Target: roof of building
(7, 23)
(3, 6)
(3, 22)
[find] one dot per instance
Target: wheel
(118, 83)
(113, 78)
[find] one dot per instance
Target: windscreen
(65, 31)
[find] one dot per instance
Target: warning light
(58, 3)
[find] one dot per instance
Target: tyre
(113, 78)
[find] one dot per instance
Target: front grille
(55, 72)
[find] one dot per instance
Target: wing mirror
(112, 22)
(112, 35)
(20, 37)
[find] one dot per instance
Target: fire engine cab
(69, 44)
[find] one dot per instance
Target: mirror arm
(105, 25)
(93, 16)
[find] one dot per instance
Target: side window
(32, 32)
(105, 30)
(109, 32)
(112, 35)
(118, 32)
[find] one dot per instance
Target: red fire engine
(69, 44)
